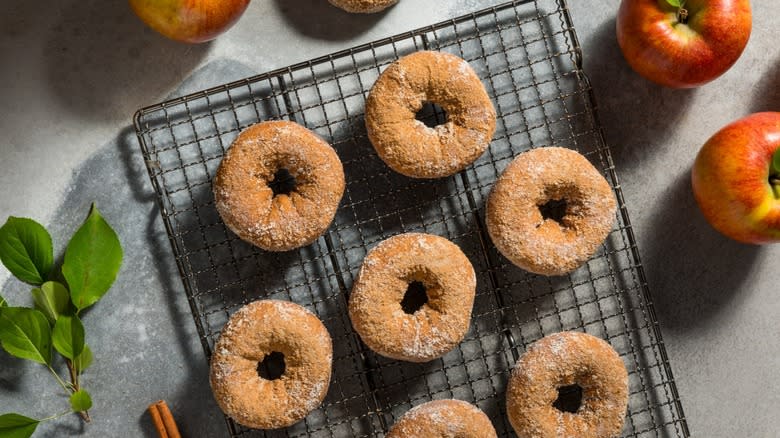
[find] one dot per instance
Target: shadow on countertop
(149, 349)
(10, 373)
(637, 114)
(320, 19)
(694, 272)
(145, 343)
(766, 95)
(100, 58)
(192, 404)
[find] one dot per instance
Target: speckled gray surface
(717, 300)
(145, 345)
(73, 75)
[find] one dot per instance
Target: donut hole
(569, 398)
(554, 209)
(283, 183)
(431, 115)
(415, 298)
(272, 366)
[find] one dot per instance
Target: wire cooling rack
(529, 59)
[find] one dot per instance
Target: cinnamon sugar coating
(388, 269)
(259, 329)
(564, 359)
(363, 6)
(546, 246)
(406, 144)
(443, 419)
(247, 203)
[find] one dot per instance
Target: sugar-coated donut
(363, 6)
(515, 219)
(406, 144)
(375, 304)
(284, 221)
(443, 419)
(255, 331)
(560, 360)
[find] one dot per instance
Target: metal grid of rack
(528, 56)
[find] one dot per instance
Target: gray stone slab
(145, 344)
(73, 72)
(717, 300)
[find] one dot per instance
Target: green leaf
(80, 401)
(26, 250)
(26, 334)
(92, 260)
(675, 3)
(3, 302)
(52, 299)
(68, 336)
(17, 426)
(776, 162)
(83, 360)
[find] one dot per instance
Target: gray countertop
(73, 73)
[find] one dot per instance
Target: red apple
(683, 46)
(189, 21)
(736, 179)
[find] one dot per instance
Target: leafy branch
(92, 260)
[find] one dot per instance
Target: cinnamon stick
(163, 420)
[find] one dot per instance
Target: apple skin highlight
(683, 55)
(189, 21)
(730, 179)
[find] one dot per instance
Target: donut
(536, 184)
(405, 143)
(244, 186)
(443, 419)
(442, 276)
(264, 329)
(561, 360)
(363, 6)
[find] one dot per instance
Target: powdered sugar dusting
(436, 327)
(563, 359)
(443, 419)
(464, 69)
(545, 246)
(248, 205)
(406, 144)
(254, 331)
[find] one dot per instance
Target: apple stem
(682, 15)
